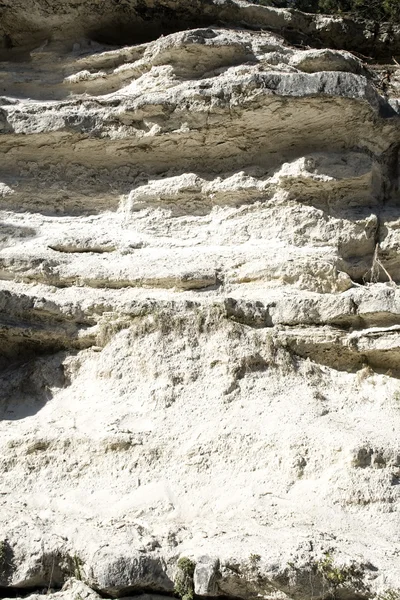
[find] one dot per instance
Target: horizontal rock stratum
(199, 303)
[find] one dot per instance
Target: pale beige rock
(199, 306)
(312, 61)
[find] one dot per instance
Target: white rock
(199, 308)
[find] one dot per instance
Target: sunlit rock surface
(199, 303)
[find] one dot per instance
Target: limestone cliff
(199, 302)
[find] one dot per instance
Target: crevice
(147, 28)
(390, 165)
(69, 249)
(132, 592)
(23, 592)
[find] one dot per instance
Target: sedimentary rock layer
(199, 303)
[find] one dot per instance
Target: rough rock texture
(199, 303)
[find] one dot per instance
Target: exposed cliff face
(136, 21)
(199, 303)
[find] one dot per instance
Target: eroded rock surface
(199, 303)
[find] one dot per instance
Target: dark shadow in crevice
(129, 34)
(7, 563)
(27, 382)
(48, 573)
(24, 592)
(149, 25)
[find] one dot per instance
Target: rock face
(199, 304)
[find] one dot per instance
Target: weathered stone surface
(135, 21)
(199, 302)
(313, 61)
(206, 576)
